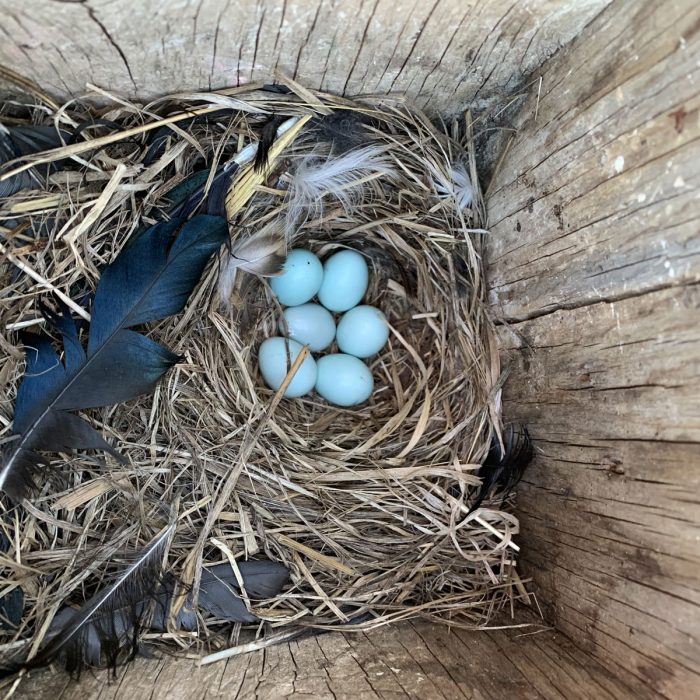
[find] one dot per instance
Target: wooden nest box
(593, 268)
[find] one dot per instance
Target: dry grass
(366, 506)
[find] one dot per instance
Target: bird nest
(368, 507)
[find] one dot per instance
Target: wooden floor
(406, 661)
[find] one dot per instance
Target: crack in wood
(93, 16)
(360, 46)
(504, 320)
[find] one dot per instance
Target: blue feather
(151, 279)
(43, 378)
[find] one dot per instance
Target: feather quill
(341, 177)
(262, 254)
(504, 465)
(109, 623)
(149, 280)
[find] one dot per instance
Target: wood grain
(610, 511)
(598, 197)
(440, 52)
(594, 264)
(417, 661)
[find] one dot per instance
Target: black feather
(149, 280)
(107, 626)
(157, 139)
(276, 88)
(503, 468)
(179, 194)
(344, 130)
(91, 124)
(268, 134)
(218, 588)
(174, 200)
(219, 593)
(214, 198)
(18, 141)
(106, 629)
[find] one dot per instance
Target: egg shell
(344, 380)
(345, 278)
(300, 280)
(310, 324)
(362, 331)
(272, 358)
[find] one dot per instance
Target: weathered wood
(442, 52)
(610, 512)
(597, 201)
(393, 663)
(598, 197)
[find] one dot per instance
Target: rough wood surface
(598, 196)
(610, 511)
(442, 52)
(595, 263)
(420, 662)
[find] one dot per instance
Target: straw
(366, 506)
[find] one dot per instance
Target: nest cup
(372, 500)
(368, 506)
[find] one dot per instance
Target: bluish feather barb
(151, 279)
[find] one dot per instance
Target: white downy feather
(457, 186)
(261, 254)
(318, 177)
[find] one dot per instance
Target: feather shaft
(148, 281)
(144, 571)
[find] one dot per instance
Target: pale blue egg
(310, 324)
(272, 358)
(301, 279)
(344, 380)
(362, 331)
(345, 278)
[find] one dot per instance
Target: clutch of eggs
(340, 284)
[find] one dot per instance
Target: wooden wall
(442, 52)
(595, 264)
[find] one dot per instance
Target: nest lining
(366, 506)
